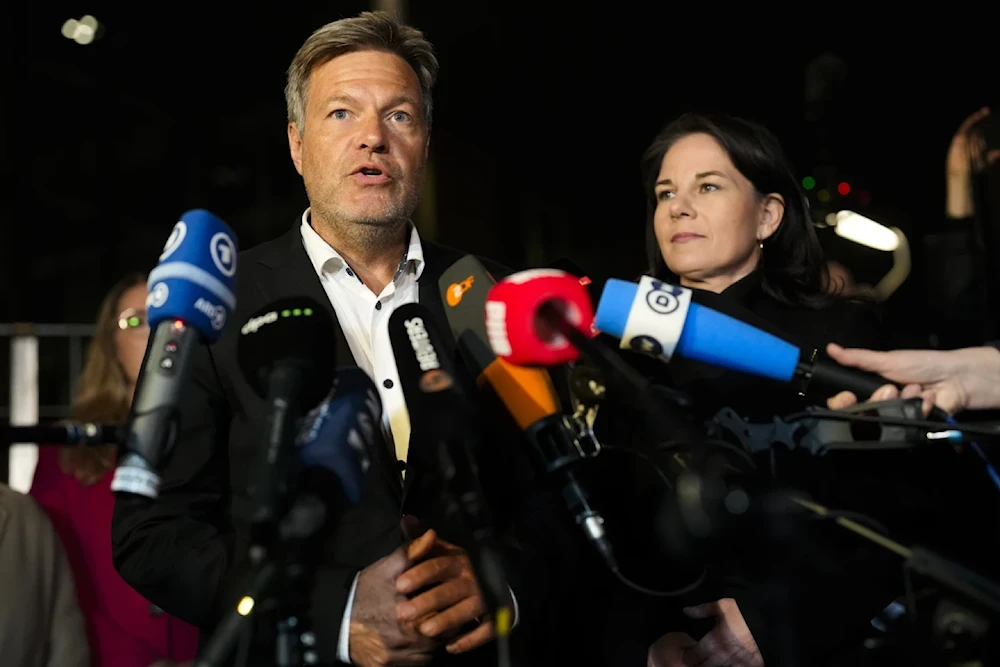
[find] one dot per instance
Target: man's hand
(378, 638)
(953, 380)
(452, 601)
(728, 644)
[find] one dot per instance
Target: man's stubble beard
(380, 228)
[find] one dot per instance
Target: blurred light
(865, 198)
(864, 231)
(808, 182)
(83, 31)
(844, 188)
(831, 219)
(823, 196)
(245, 606)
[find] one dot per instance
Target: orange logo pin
(457, 290)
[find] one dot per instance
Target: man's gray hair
(370, 31)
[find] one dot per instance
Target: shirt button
(378, 305)
(349, 272)
(401, 464)
(387, 383)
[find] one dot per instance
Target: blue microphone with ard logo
(190, 298)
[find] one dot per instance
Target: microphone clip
(562, 441)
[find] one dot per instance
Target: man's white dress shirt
(364, 319)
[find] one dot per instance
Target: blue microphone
(190, 299)
(660, 320)
(339, 434)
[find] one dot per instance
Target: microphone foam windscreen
(195, 277)
(295, 330)
(720, 340)
(707, 336)
(342, 432)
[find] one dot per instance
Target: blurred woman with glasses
(73, 486)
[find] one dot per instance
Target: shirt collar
(327, 260)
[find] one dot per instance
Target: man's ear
(295, 146)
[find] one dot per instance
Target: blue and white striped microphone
(190, 298)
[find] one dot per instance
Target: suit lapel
(292, 274)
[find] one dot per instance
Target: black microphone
(286, 353)
(190, 298)
(333, 446)
(445, 417)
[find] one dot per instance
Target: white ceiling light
(82, 31)
(867, 232)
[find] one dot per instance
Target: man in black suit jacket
(359, 116)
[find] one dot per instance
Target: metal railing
(24, 408)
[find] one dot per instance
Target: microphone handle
(153, 420)
(84, 434)
(860, 383)
(285, 383)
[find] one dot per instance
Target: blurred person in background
(40, 620)
(962, 283)
(73, 485)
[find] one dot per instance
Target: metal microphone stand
(284, 525)
(282, 583)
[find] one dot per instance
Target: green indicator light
(286, 313)
(307, 311)
(297, 312)
(808, 182)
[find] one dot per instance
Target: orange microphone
(559, 440)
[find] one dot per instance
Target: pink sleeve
(48, 484)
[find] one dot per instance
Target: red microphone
(528, 313)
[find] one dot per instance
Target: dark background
(541, 117)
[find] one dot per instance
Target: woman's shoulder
(848, 322)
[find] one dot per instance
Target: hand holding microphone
(953, 380)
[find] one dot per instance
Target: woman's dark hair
(792, 268)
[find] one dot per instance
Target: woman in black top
(727, 219)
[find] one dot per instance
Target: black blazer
(186, 551)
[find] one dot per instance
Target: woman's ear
(772, 212)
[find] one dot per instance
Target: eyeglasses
(132, 318)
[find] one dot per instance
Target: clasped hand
(389, 627)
